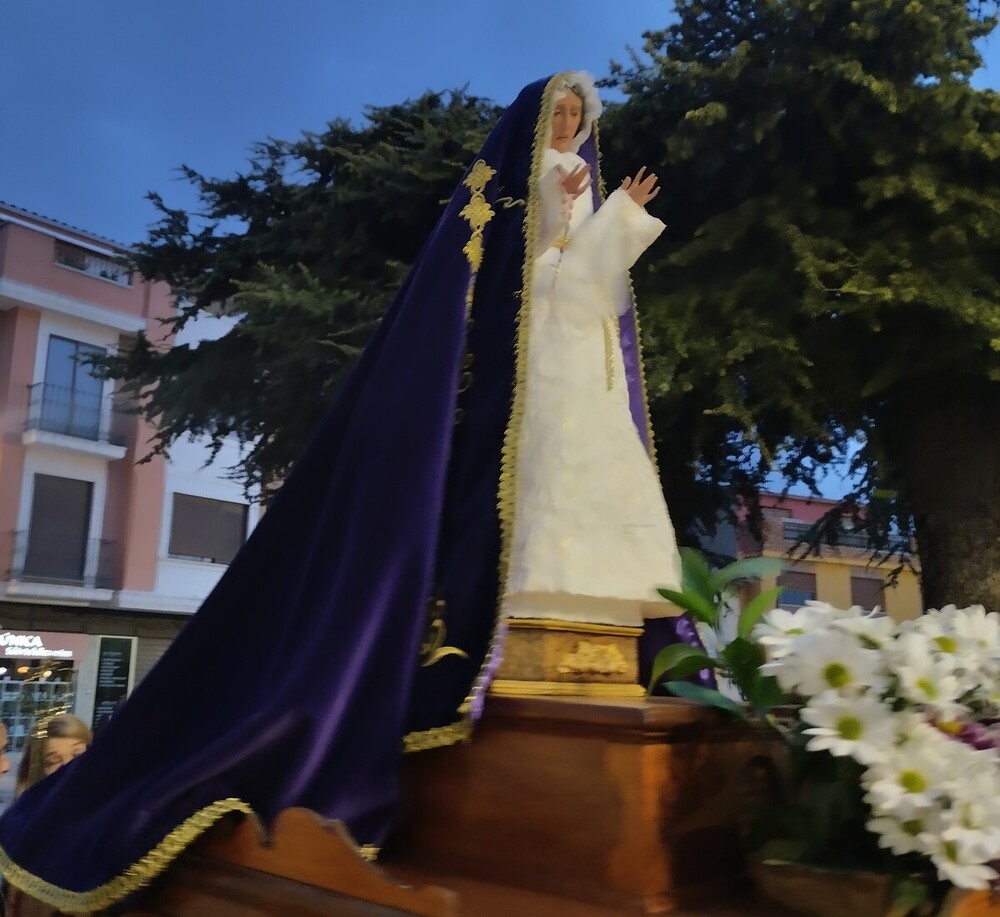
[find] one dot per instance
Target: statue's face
(566, 120)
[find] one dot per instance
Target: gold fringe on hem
(137, 876)
(438, 737)
(369, 852)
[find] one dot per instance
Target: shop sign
(42, 645)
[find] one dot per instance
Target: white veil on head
(582, 84)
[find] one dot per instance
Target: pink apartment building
(102, 559)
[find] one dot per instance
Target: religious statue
(487, 458)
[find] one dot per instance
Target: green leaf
(696, 574)
(765, 694)
(747, 568)
(693, 664)
(744, 660)
(908, 892)
(700, 607)
(707, 696)
(756, 607)
(677, 654)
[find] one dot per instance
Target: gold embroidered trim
(610, 342)
(137, 876)
(477, 213)
(509, 202)
(369, 852)
(438, 737)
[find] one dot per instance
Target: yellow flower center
(836, 675)
(928, 687)
(849, 727)
(946, 644)
(913, 781)
(912, 827)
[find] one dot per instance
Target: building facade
(843, 574)
(103, 557)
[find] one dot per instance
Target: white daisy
(822, 661)
(859, 727)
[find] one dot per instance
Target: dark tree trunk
(945, 441)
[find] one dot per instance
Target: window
(71, 397)
(207, 530)
(797, 587)
(82, 259)
(867, 592)
(59, 529)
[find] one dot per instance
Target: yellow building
(843, 575)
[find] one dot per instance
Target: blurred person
(4, 759)
(55, 741)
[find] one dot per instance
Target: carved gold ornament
(593, 659)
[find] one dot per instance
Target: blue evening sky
(102, 100)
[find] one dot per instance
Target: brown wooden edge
(307, 848)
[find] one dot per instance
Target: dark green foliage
(833, 260)
(306, 248)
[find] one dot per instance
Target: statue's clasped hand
(574, 183)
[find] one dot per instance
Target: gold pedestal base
(566, 658)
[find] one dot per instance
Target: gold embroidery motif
(593, 659)
(509, 202)
(433, 649)
(369, 852)
(477, 213)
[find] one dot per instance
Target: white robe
(592, 539)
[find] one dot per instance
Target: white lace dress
(592, 538)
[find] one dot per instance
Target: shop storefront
(45, 672)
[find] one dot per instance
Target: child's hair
(61, 726)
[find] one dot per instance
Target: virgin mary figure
(488, 457)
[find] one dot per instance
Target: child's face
(60, 751)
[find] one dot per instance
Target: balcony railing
(64, 561)
(87, 262)
(795, 532)
(54, 409)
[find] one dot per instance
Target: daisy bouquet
(910, 714)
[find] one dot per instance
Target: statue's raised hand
(641, 189)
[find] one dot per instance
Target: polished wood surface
(630, 804)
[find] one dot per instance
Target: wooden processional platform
(558, 807)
